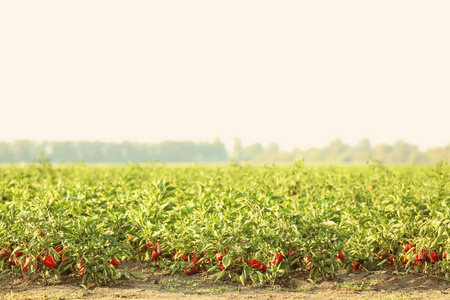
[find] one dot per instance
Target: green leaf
(242, 278)
(382, 262)
(261, 277)
(226, 261)
(220, 276)
(212, 269)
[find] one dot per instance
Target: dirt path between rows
(154, 285)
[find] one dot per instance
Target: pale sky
(298, 73)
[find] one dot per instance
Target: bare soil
(142, 281)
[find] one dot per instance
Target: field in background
(250, 225)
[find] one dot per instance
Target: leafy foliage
(264, 221)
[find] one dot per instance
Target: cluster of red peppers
(423, 256)
(158, 253)
(13, 260)
(194, 259)
(48, 260)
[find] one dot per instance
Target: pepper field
(254, 225)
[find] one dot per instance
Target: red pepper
(383, 255)
(27, 262)
(277, 259)
(12, 260)
(357, 267)
(434, 257)
(407, 247)
(254, 263)
(219, 256)
(194, 259)
(155, 254)
(81, 269)
(341, 256)
(192, 270)
(420, 256)
(176, 256)
(308, 266)
(49, 261)
(79, 265)
(63, 258)
(263, 268)
(40, 233)
(114, 262)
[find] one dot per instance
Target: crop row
(255, 224)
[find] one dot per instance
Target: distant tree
(361, 151)
(5, 154)
(251, 152)
(401, 152)
(438, 154)
(335, 150)
(237, 150)
(382, 152)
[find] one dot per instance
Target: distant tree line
(186, 151)
(338, 152)
(28, 151)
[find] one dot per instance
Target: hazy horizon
(296, 73)
(229, 146)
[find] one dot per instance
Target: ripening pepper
(27, 263)
(407, 247)
(155, 254)
(434, 257)
(114, 262)
(49, 261)
(383, 255)
(308, 266)
(254, 263)
(219, 256)
(263, 268)
(277, 259)
(192, 270)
